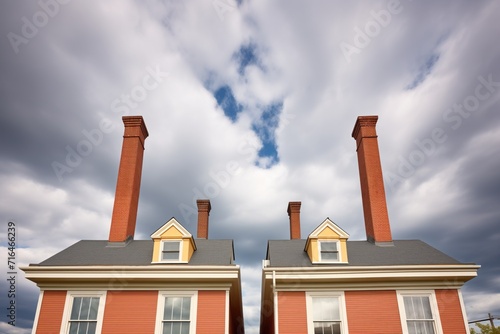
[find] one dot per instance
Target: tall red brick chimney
(294, 214)
(204, 208)
(128, 183)
(378, 229)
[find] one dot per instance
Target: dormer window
(329, 251)
(171, 251)
(327, 244)
(172, 243)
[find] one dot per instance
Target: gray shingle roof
(136, 253)
(290, 253)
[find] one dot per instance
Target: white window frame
(161, 305)
(419, 293)
(342, 309)
(180, 251)
(339, 257)
(68, 304)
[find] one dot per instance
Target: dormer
(327, 244)
(172, 243)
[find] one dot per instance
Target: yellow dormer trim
(327, 231)
(172, 231)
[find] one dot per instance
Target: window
(170, 251)
(176, 313)
(329, 251)
(326, 313)
(83, 319)
(418, 312)
(83, 312)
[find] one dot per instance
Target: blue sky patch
(266, 128)
(246, 56)
(424, 71)
(225, 100)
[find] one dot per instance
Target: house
(173, 283)
(328, 284)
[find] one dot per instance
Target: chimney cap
(364, 121)
(203, 205)
(293, 207)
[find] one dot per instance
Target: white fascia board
(170, 272)
(465, 271)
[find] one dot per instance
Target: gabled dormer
(172, 243)
(327, 244)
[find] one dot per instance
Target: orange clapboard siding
(450, 312)
(51, 312)
(211, 312)
(292, 315)
(130, 312)
(372, 312)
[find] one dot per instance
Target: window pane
(75, 310)
(177, 306)
(420, 327)
(167, 313)
(410, 311)
(329, 256)
(84, 310)
(73, 328)
(94, 306)
(171, 246)
(327, 328)
(185, 328)
(325, 308)
(82, 329)
(186, 308)
(417, 307)
(176, 328)
(329, 246)
(170, 256)
(92, 327)
(167, 328)
(426, 308)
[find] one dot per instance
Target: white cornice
(131, 273)
(460, 272)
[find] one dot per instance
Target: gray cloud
(88, 59)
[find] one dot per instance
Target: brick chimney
(378, 229)
(294, 214)
(128, 183)
(204, 208)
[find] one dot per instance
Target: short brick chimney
(128, 183)
(294, 214)
(378, 229)
(204, 208)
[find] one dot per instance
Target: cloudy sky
(273, 88)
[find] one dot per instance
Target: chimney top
(364, 127)
(204, 208)
(294, 214)
(128, 183)
(378, 229)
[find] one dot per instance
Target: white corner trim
(226, 320)
(276, 318)
(464, 313)
(37, 313)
